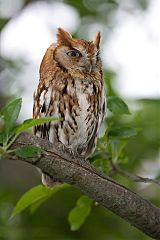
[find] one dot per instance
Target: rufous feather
(63, 37)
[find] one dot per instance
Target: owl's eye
(74, 53)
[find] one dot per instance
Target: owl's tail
(49, 181)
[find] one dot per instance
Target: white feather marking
(81, 134)
(47, 97)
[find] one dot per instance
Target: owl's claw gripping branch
(73, 170)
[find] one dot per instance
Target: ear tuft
(63, 37)
(97, 39)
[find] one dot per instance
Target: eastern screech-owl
(71, 87)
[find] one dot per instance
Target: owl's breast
(85, 115)
(79, 104)
(80, 112)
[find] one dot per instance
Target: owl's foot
(69, 150)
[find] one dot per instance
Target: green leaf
(116, 148)
(102, 164)
(35, 195)
(2, 151)
(36, 205)
(11, 113)
(1, 138)
(103, 141)
(117, 105)
(123, 132)
(2, 125)
(28, 151)
(31, 123)
(78, 214)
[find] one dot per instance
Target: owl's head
(77, 56)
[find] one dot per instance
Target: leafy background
(137, 133)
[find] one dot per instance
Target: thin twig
(117, 169)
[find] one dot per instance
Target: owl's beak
(88, 67)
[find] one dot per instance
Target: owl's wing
(103, 107)
(102, 113)
(41, 109)
(43, 96)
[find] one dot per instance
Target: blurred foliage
(3, 22)
(141, 152)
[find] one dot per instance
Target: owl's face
(77, 56)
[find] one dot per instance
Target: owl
(71, 87)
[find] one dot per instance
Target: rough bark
(58, 162)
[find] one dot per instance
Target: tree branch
(59, 162)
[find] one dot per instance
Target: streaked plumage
(71, 87)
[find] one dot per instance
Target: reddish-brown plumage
(71, 87)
